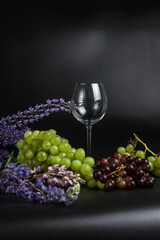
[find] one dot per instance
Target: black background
(47, 47)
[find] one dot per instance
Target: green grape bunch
(47, 148)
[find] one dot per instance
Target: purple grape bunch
(123, 172)
(12, 128)
(57, 185)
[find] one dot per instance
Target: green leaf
(9, 159)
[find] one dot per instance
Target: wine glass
(89, 105)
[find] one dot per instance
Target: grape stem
(144, 144)
(118, 169)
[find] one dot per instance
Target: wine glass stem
(89, 134)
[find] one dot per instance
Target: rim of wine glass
(88, 83)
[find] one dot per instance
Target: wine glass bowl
(89, 105)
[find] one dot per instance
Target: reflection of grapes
(46, 148)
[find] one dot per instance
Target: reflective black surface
(120, 214)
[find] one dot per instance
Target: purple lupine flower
(31, 120)
(10, 189)
(11, 166)
(35, 186)
(9, 135)
(12, 128)
(39, 111)
(54, 100)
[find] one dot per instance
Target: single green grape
(140, 154)
(66, 162)
(20, 143)
(29, 139)
(64, 140)
(53, 132)
(54, 150)
(36, 162)
(80, 154)
(76, 165)
(40, 135)
(27, 133)
(100, 185)
(41, 156)
(70, 155)
(92, 183)
(129, 148)
(46, 145)
(27, 147)
(47, 135)
(56, 160)
(158, 159)
(35, 133)
(49, 158)
(157, 164)
(36, 143)
(152, 159)
(62, 155)
(29, 154)
(64, 147)
(56, 140)
(73, 150)
(89, 160)
(85, 169)
(21, 155)
(21, 158)
(121, 150)
(151, 166)
(157, 172)
(88, 177)
(36, 150)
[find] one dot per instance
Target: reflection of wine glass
(89, 105)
